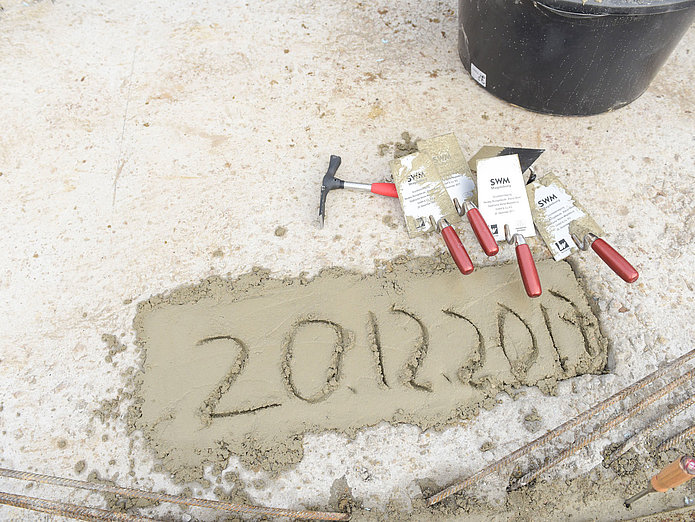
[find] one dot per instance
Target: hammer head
(329, 183)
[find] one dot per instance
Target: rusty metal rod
(677, 439)
(64, 509)
(610, 424)
(658, 423)
(165, 497)
(563, 428)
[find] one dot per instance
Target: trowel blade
(422, 193)
(451, 164)
(527, 157)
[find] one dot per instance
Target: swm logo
(499, 181)
(442, 157)
(416, 176)
(546, 200)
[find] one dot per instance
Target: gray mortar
(394, 276)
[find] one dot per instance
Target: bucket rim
(615, 7)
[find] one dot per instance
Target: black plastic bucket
(573, 57)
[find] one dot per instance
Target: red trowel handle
(385, 189)
(482, 232)
(529, 274)
(458, 251)
(618, 263)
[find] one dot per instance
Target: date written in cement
(262, 359)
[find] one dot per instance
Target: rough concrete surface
(150, 145)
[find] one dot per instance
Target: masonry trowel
(426, 203)
(565, 226)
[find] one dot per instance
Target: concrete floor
(139, 139)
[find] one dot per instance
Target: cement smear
(400, 148)
(246, 367)
(596, 495)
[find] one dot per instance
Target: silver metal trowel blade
(527, 157)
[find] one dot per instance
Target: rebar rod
(605, 427)
(677, 439)
(659, 423)
(64, 509)
(165, 497)
(563, 428)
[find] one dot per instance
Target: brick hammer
(330, 182)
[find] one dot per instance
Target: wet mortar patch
(246, 367)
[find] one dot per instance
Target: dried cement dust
(246, 367)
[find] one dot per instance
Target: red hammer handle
(482, 232)
(529, 274)
(385, 189)
(613, 259)
(458, 251)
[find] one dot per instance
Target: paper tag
(451, 164)
(478, 75)
(554, 210)
(421, 193)
(502, 198)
